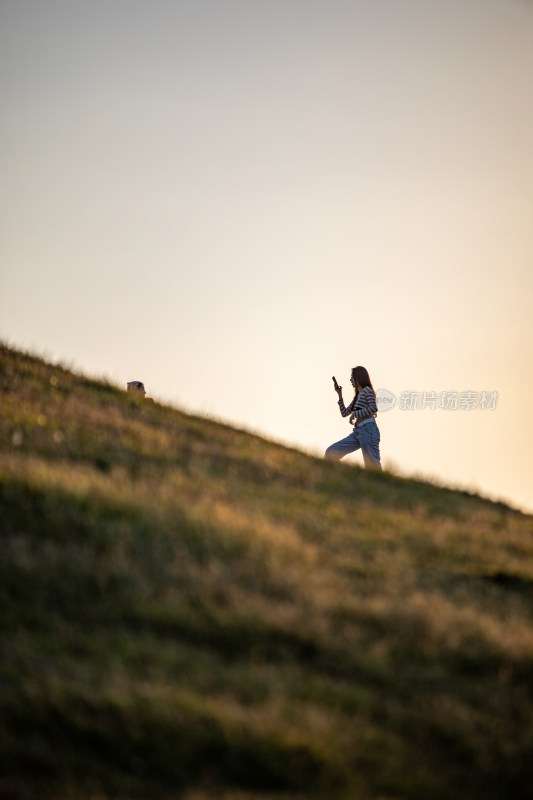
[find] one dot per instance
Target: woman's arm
(345, 410)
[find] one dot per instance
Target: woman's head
(360, 379)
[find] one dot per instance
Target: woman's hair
(362, 379)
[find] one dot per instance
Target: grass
(190, 611)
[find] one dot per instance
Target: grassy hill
(190, 611)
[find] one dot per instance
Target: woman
(362, 411)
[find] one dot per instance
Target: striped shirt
(362, 407)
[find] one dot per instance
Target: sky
(234, 200)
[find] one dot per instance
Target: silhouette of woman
(362, 411)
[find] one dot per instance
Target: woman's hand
(336, 386)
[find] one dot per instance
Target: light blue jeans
(366, 437)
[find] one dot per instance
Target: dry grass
(195, 612)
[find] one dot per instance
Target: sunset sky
(234, 200)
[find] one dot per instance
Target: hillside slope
(190, 611)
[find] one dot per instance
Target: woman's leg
(343, 448)
(370, 438)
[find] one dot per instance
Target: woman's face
(357, 387)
